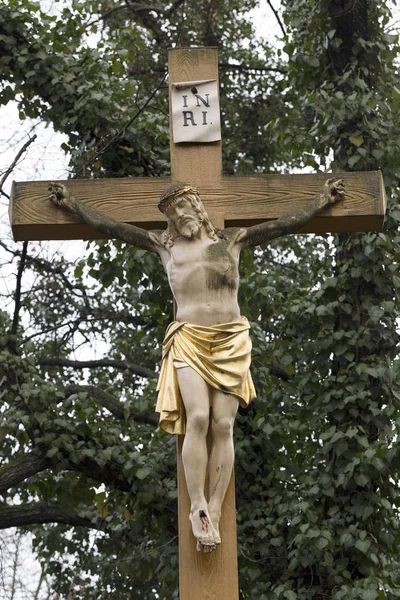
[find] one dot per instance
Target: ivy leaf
(356, 140)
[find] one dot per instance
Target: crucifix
(243, 211)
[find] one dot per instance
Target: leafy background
(83, 467)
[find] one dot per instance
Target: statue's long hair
(213, 233)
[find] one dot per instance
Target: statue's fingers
(337, 187)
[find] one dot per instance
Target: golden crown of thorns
(173, 191)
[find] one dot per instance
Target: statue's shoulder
(160, 240)
(233, 234)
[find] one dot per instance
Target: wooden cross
(230, 201)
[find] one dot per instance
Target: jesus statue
(207, 349)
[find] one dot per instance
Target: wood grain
(206, 576)
(243, 201)
(198, 164)
(202, 576)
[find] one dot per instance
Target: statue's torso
(204, 278)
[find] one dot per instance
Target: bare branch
(46, 265)
(92, 364)
(38, 513)
(110, 402)
(16, 159)
(21, 468)
(121, 132)
(18, 289)
(277, 17)
(104, 316)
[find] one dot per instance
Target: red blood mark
(204, 520)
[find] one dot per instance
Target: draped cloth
(220, 354)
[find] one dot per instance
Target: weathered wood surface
(197, 164)
(243, 201)
(201, 576)
(206, 576)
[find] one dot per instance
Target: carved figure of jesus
(206, 352)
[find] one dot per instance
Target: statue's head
(185, 212)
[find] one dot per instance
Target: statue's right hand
(60, 196)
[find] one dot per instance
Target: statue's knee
(198, 423)
(223, 427)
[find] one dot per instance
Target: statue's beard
(190, 228)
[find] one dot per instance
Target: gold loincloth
(220, 354)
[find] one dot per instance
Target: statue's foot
(203, 530)
(202, 548)
(215, 518)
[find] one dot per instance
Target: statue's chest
(211, 265)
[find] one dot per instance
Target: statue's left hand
(334, 190)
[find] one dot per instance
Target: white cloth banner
(195, 111)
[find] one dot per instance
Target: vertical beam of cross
(215, 575)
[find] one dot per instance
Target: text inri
(195, 111)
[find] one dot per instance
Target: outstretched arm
(61, 197)
(290, 222)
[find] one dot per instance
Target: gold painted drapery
(220, 354)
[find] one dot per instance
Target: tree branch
(31, 464)
(104, 315)
(107, 14)
(110, 402)
(38, 513)
(21, 468)
(45, 265)
(16, 159)
(233, 67)
(136, 8)
(277, 17)
(146, 19)
(281, 373)
(92, 364)
(121, 132)
(109, 474)
(18, 289)
(173, 8)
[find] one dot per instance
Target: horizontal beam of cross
(240, 201)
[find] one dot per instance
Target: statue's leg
(196, 398)
(224, 408)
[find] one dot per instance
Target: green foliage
(317, 453)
